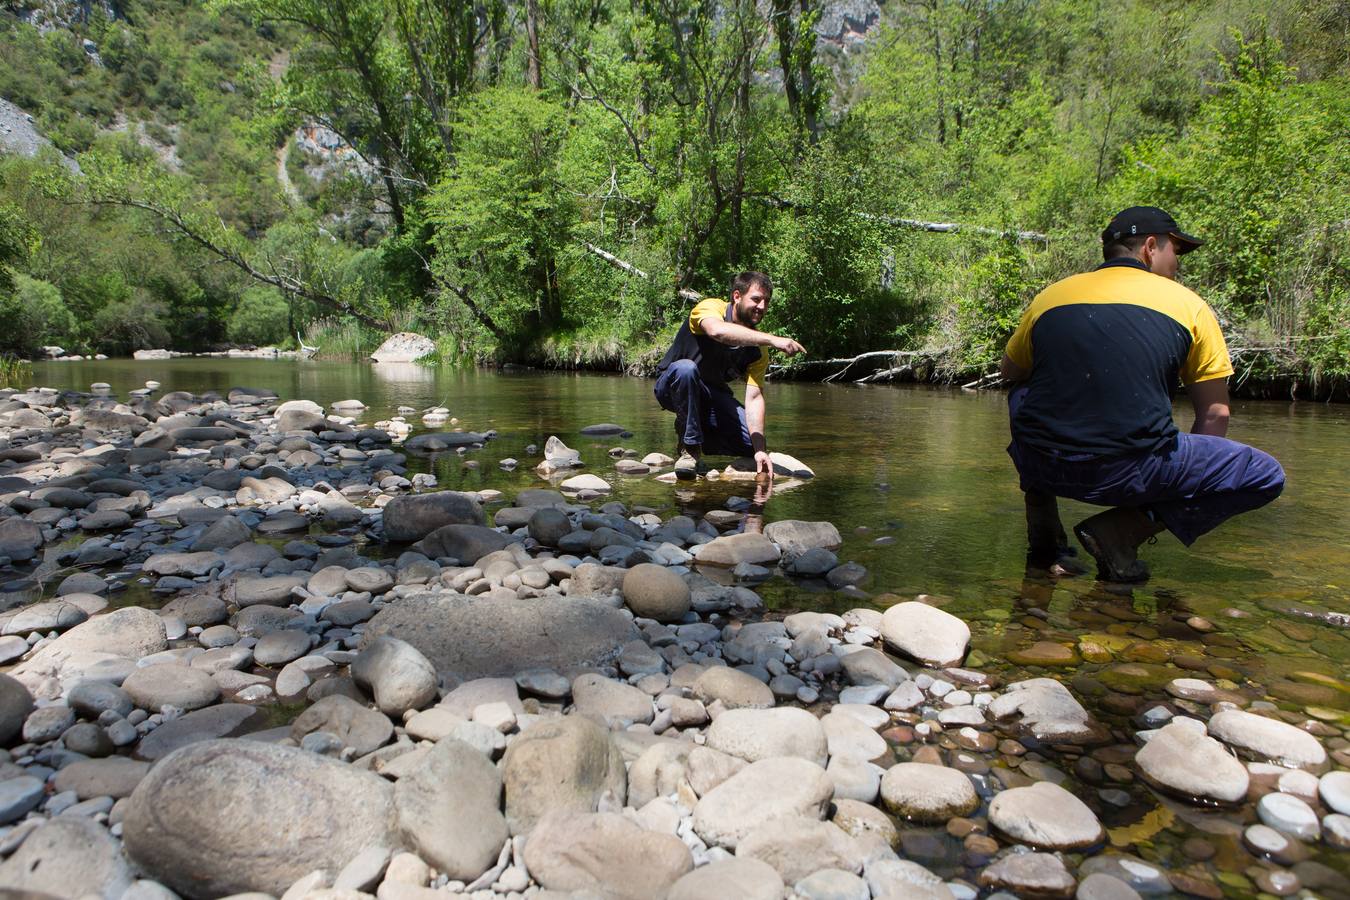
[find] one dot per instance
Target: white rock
(1287, 813)
(1276, 741)
(926, 633)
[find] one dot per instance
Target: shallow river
(918, 483)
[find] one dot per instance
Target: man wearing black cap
(1099, 354)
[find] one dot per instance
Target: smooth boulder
(474, 639)
(1045, 816)
(655, 592)
(566, 764)
(396, 674)
(1183, 760)
(228, 816)
(925, 633)
(605, 853)
(411, 517)
(448, 810)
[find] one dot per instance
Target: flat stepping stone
(283, 523)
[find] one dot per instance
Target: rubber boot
(1113, 538)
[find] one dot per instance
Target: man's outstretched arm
(754, 423)
(734, 335)
(1210, 399)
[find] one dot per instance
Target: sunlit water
(918, 482)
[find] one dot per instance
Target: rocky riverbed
(247, 650)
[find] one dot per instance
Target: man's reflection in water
(754, 516)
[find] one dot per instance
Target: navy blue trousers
(706, 414)
(1190, 487)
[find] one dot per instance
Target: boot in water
(1113, 538)
(1047, 544)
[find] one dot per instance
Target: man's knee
(683, 370)
(1266, 475)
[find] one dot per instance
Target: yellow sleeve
(1019, 345)
(704, 309)
(759, 369)
(1208, 358)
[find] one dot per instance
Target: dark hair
(1129, 246)
(746, 280)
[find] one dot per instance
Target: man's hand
(787, 345)
(763, 465)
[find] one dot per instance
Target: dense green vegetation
(501, 146)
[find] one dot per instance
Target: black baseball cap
(1149, 220)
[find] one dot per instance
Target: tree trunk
(532, 72)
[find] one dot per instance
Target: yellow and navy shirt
(1105, 349)
(718, 363)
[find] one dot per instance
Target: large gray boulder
(19, 538)
(797, 536)
(476, 638)
(356, 726)
(655, 592)
(69, 856)
(449, 810)
(404, 347)
(466, 543)
(225, 817)
(566, 764)
(411, 517)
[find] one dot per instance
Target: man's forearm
(734, 335)
(754, 422)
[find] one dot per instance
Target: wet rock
(797, 536)
(733, 549)
(868, 666)
(1290, 815)
(797, 847)
(1030, 875)
(759, 734)
(448, 810)
(764, 790)
(19, 539)
(69, 856)
(443, 440)
(925, 633)
(1045, 816)
(730, 879)
(548, 525)
(1334, 789)
(475, 639)
(565, 764)
(1099, 886)
(223, 534)
(655, 592)
(927, 794)
(396, 674)
(190, 826)
(1182, 759)
(594, 483)
(356, 726)
(605, 853)
(466, 543)
(411, 517)
(1268, 739)
(1047, 711)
